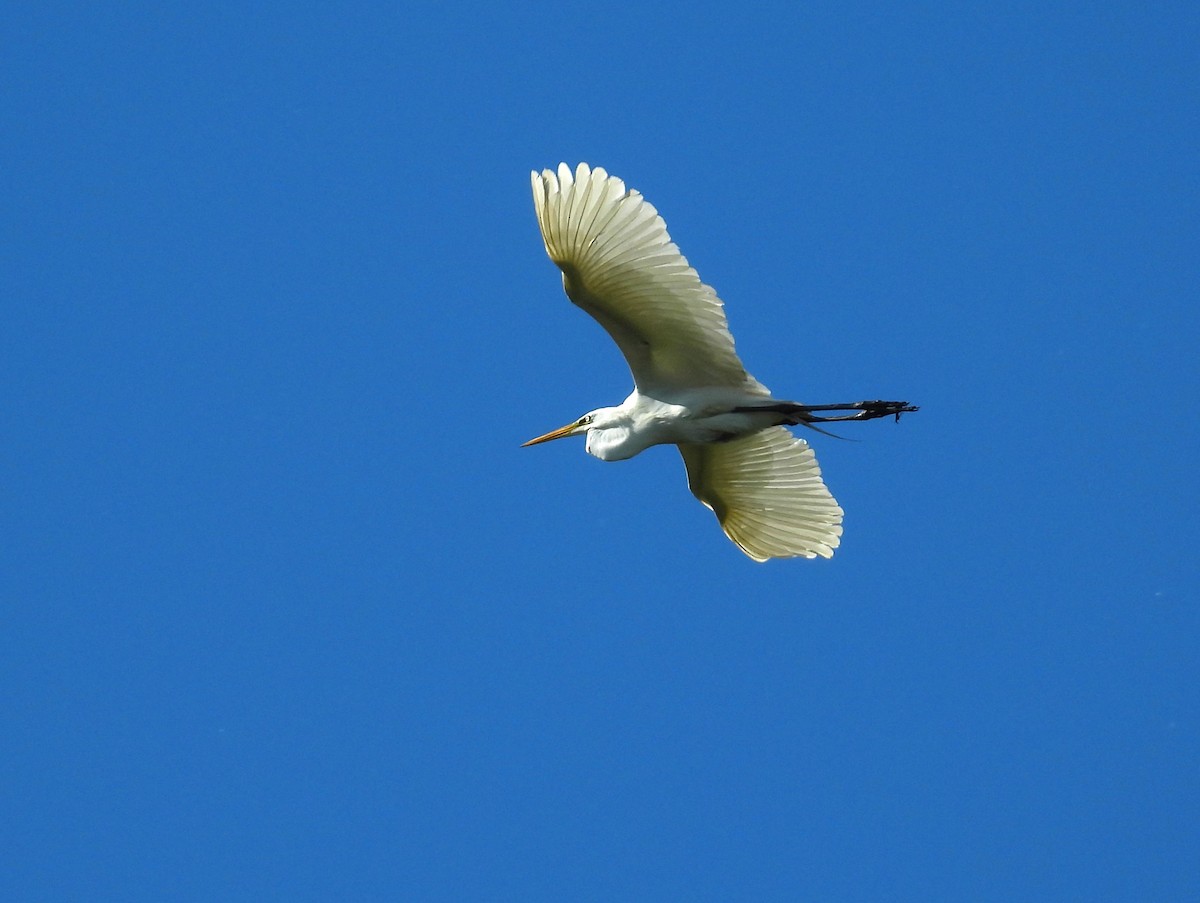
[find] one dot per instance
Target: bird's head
(606, 430)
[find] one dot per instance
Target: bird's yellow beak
(561, 433)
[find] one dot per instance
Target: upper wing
(620, 265)
(767, 492)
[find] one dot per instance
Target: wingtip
(564, 175)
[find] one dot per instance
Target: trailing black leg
(864, 410)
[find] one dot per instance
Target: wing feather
(620, 265)
(767, 492)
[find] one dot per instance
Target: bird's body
(691, 389)
(699, 417)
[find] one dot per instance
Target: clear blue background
(287, 612)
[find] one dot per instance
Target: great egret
(690, 388)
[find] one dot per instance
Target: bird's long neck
(613, 438)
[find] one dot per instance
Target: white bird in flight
(690, 388)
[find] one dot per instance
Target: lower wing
(767, 492)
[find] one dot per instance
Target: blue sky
(287, 612)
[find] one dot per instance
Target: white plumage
(690, 388)
(766, 490)
(620, 265)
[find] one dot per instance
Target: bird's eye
(585, 420)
